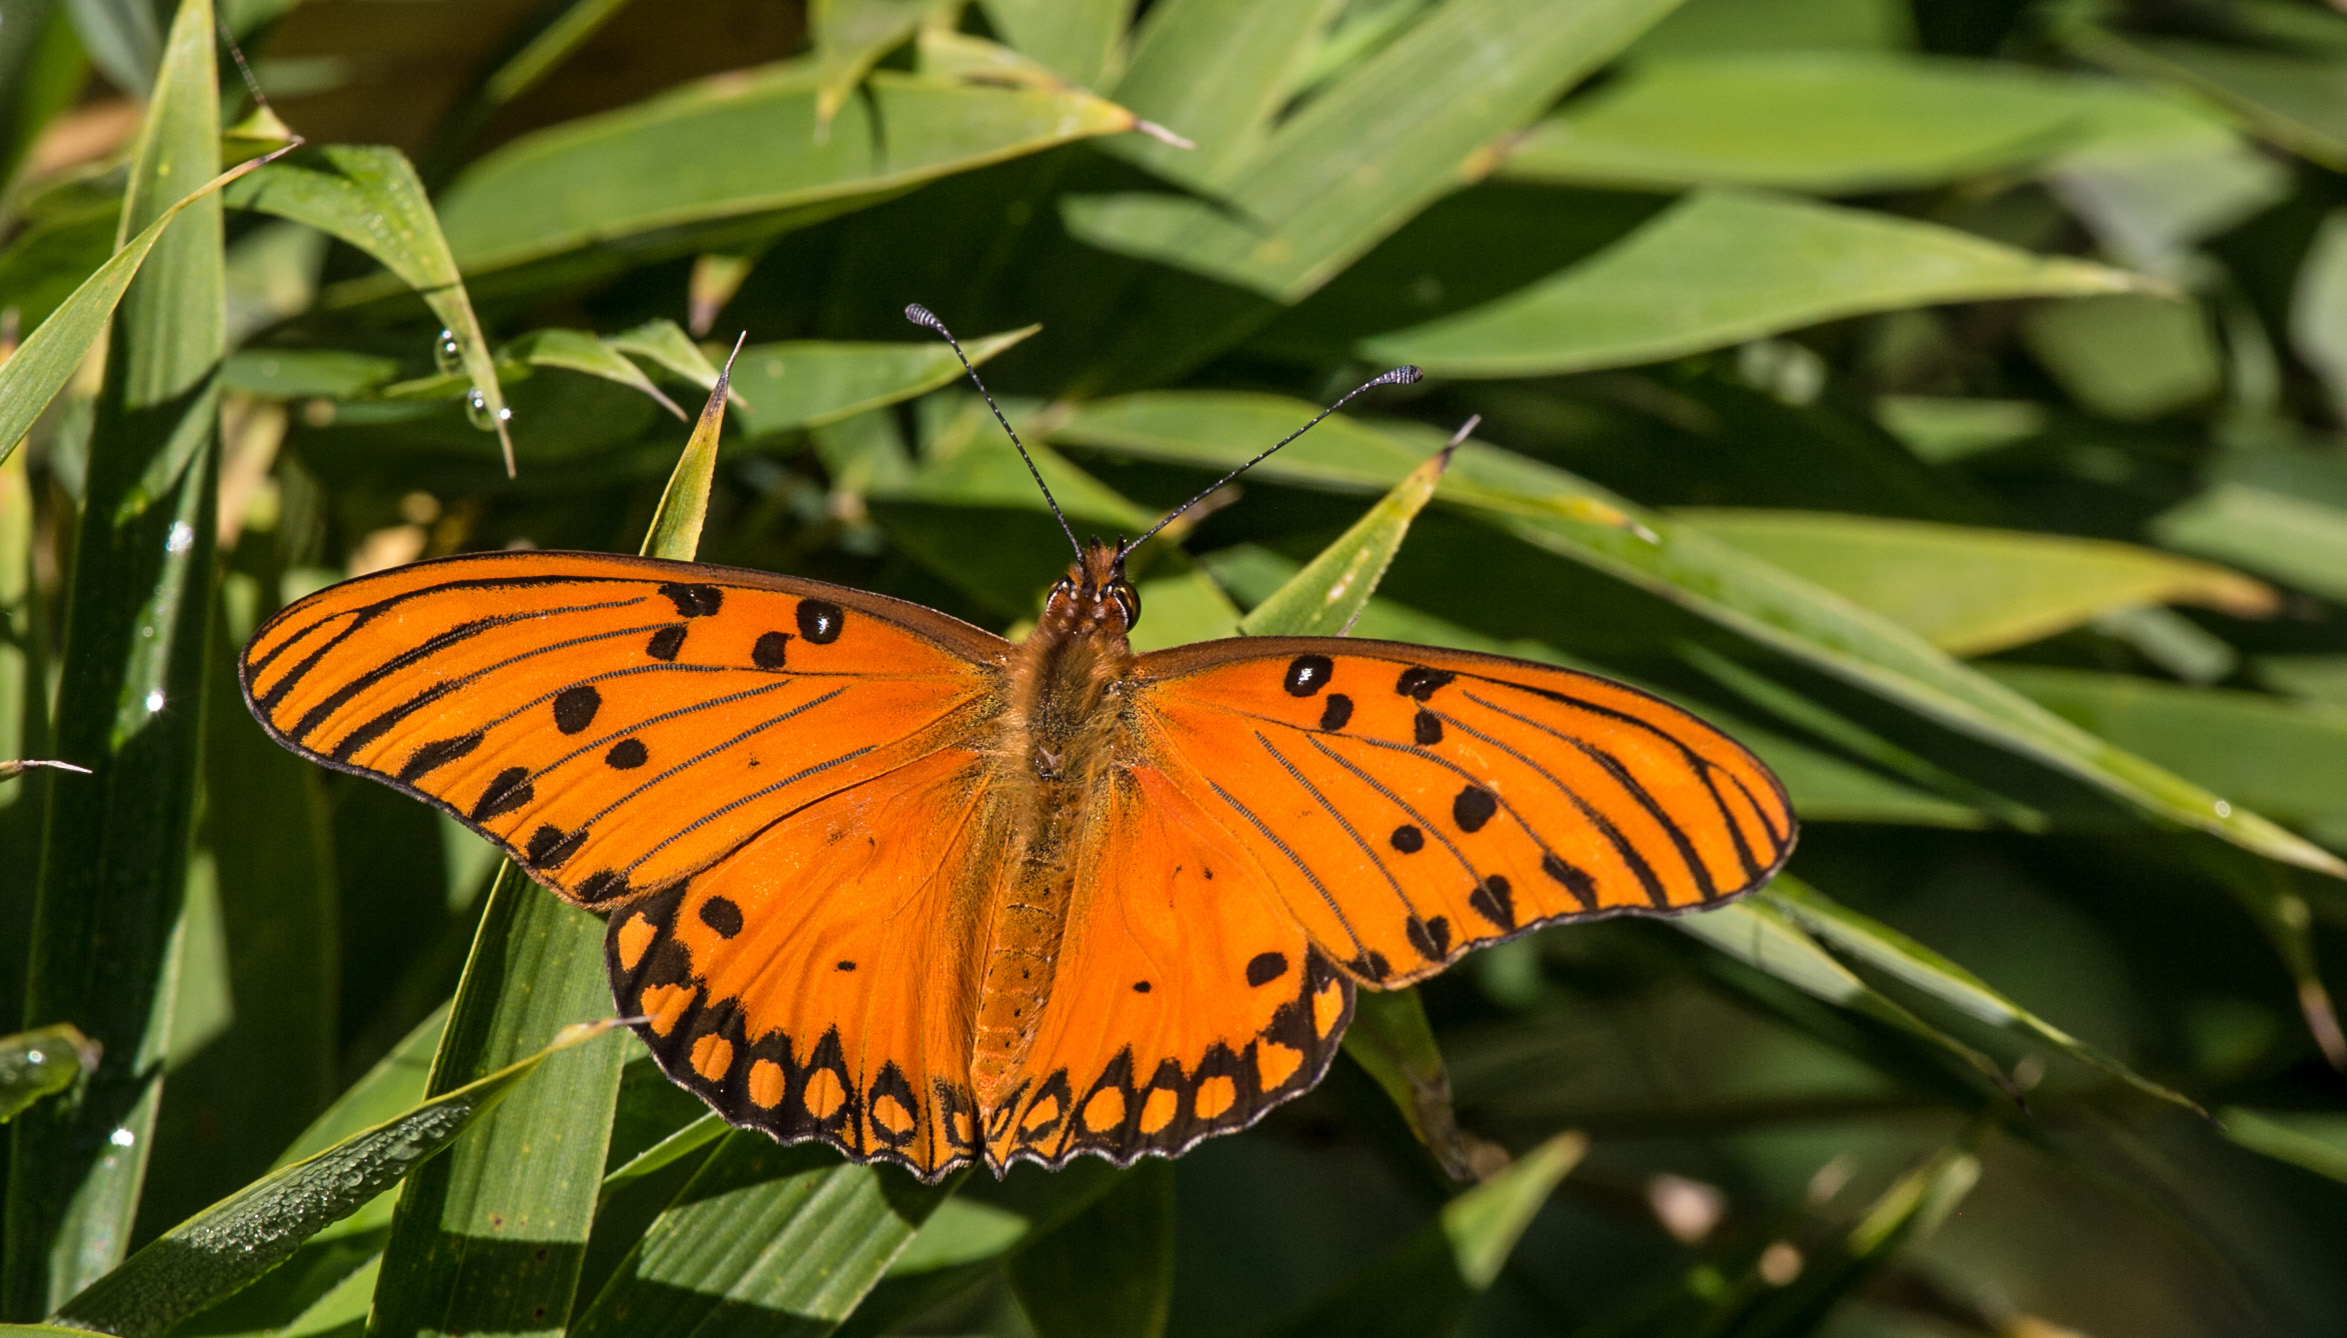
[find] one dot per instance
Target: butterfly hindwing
(1187, 999)
(614, 723)
(1411, 803)
(815, 982)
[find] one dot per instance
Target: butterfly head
(1094, 597)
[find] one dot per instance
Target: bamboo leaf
(1389, 137)
(130, 704)
(370, 197)
(1080, 41)
(811, 383)
(684, 504)
(579, 351)
(260, 1226)
(1214, 72)
(739, 147)
(1887, 949)
(1725, 266)
(1561, 514)
(1972, 590)
(1831, 122)
(1327, 596)
(1425, 1284)
(782, 1240)
(1109, 1269)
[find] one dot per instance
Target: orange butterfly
(880, 878)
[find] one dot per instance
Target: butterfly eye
(1127, 599)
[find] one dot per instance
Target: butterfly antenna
(922, 316)
(1399, 376)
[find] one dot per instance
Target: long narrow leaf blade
(260, 1226)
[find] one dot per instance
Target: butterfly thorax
(1062, 739)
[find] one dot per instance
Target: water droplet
(182, 537)
(447, 354)
(2224, 810)
(34, 1057)
(154, 701)
(122, 1138)
(477, 412)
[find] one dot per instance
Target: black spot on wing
(722, 916)
(693, 601)
(1307, 674)
(575, 708)
(1408, 839)
(602, 886)
(768, 652)
(626, 755)
(1473, 808)
(820, 621)
(436, 754)
(1493, 900)
(549, 846)
(1432, 938)
(1426, 729)
(1338, 711)
(1574, 880)
(1140, 987)
(1266, 967)
(666, 642)
(1421, 683)
(508, 790)
(1372, 964)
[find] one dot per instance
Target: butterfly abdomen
(1060, 747)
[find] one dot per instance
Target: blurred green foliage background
(1946, 396)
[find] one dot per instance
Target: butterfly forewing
(615, 723)
(1411, 803)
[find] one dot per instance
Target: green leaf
(1391, 1039)
(850, 37)
(2286, 535)
(2315, 1142)
(739, 146)
(2128, 356)
(810, 383)
(35, 1064)
(579, 351)
(369, 196)
(684, 503)
(1393, 134)
(1327, 596)
(1972, 590)
(1077, 39)
(1886, 949)
(1725, 266)
(260, 1226)
(1831, 122)
(129, 706)
(2318, 307)
(1425, 1284)
(2277, 756)
(333, 1272)
(1763, 937)
(1108, 1271)
(1215, 73)
(2293, 100)
(766, 1238)
(1561, 514)
(664, 345)
(968, 1235)
(31, 378)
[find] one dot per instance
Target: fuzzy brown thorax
(1059, 747)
